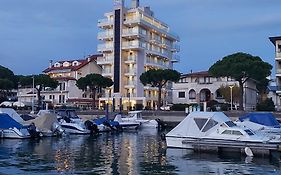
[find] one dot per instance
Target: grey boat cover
(44, 121)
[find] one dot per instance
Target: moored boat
(10, 128)
(72, 124)
(215, 131)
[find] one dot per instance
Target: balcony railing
(106, 34)
(130, 71)
(105, 22)
(278, 55)
(278, 71)
(153, 23)
(105, 47)
(175, 58)
(105, 60)
(156, 63)
(134, 44)
(131, 59)
(131, 83)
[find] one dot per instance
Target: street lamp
(32, 107)
(231, 86)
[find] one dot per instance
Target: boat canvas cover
(44, 121)
(193, 125)
(12, 113)
(7, 122)
(266, 119)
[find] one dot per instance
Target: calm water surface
(140, 152)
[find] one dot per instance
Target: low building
(66, 72)
(198, 87)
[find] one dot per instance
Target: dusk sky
(32, 32)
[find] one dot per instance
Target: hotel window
(218, 94)
(61, 98)
(192, 94)
(84, 95)
(181, 95)
(279, 48)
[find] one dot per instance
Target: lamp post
(32, 107)
(231, 86)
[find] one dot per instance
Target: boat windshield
(249, 132)
(230, 124)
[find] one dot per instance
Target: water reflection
(141, 152)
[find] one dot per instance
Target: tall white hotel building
(133, 41)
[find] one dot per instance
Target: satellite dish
(249, 152)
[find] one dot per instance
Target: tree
(41, 81)
(158, 78)
(225, 92)
(242, 66)
(93, 82)
(266, 105)
(7, 81)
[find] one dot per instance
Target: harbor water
(135, 152)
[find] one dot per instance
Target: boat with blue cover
(10, 128)
(261, 122)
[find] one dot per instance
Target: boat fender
(249, 152)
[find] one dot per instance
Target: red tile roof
(83, 63)
(197, 74)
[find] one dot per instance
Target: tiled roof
(82, 63)
(197, 74)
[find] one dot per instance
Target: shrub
(266, 105)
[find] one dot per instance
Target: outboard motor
(91, 126)
(32, 131)
(57, 129)
(161, 124)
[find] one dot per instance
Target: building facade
(198, 87)
(277, 91)
(67, 93)
(133, 41)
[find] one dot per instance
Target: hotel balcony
(105, 23)
(129, 60)
(130, 84)
(132, 33)
(156, 64)
(175, 58)
(278, 72)
(175, 48)
(105, 60)
(278, 55)
(107, 73)
(133, 45)
(160, 54)
(105, 48)
(151, 24)
(107, 35)
(130, 72)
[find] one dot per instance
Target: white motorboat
(136, 116)
(214, 130)
(10, 128)
(261, 123)
(72, 124)
(126, 124)
(46, 123)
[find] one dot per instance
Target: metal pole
(231, 86)
(32, 110)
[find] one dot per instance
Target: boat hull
(14, 133)
(208, 144)
(71, 128)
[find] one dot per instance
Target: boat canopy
(266, 119)
(7, 122)
(197, 124)
(44, 121)
(12, 113)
